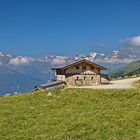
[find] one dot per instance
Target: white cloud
(58, 61)
(115, 61)
(133, 41)
(21, 60)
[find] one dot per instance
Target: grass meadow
(71, 114)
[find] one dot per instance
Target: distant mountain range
(129, 70)
(22, 73)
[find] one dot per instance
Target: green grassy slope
(72, 114)
(137, 71)
(130, 69)
(137, 84)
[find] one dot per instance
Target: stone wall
(61, 77)
(83, 79)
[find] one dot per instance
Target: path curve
(117, 84)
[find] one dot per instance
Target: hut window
(84, 68)
(91, 78)
(77, 78)
(77, 67)
(84, 78)
(92, 68)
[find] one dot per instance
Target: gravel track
(117, 84)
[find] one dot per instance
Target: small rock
(49, 94)
(7, 94)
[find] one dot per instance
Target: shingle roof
(77, 62)
(52, 84)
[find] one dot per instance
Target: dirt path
(118, 84)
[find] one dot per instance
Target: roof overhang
(78, 62)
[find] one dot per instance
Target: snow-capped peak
(5, 55)
(93, 54)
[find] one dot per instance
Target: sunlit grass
(71, 114)
(137, 84)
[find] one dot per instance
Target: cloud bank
(132, 41)
(21, 60)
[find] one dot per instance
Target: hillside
(134, 72)
(130, 69)
(75, 114)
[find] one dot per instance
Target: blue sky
(66, 27)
